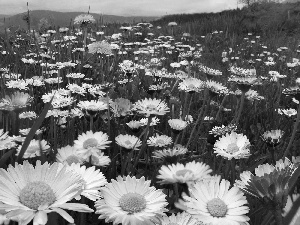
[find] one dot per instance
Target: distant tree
(43, 25)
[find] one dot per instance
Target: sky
(119, 7)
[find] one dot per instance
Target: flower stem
(293, 134)
(278, 215)
(236, 120)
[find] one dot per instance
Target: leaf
(5, 157)
(294, 178)
(33, 129)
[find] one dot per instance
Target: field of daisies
(145, 124)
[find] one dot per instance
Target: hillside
(260, 18)
(64, 18)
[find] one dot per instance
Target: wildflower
(84, 19)
(272, 137)
(159, 140)
(100, 47)
(121, 107)
(191, 85)
(131, 201)
(151, 107)
(6, 142)
(232, 145)
(170, 153)
(288, 112)
(183, 218)
(179, 173)
(16, 101)
(177, 125)
(31, 192)
(35, 148)
(213, 202)
(28, 115)
(68, 155)
(93, 180)
(270, 183)
(89, 143)
(92, 107)
(154, 121)
(129, 142)
(99, 159)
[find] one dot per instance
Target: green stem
(236, 120)
(278, 215)
(293, 134)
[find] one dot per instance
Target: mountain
(64, 18)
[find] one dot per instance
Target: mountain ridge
(60, 19)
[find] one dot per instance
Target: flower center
(128, 143)
(151, 107)
(160, 142)
(232, 148)
(183, 172)
(217, 208)
(191, 86)
(132, 202)
(72, 159)
(37, 193)
(90, 143)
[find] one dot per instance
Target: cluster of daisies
(122, 101)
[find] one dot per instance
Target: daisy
(93, 180)
(131, 201)
(191, 85)
(128, 141)
(154, 121)
(183, 218)
(159, 140)
(232, 145)
(99, 159)
(288, 112)
(28, 115)
(34, 149)
(100, 47)
(16, 101)
(88, 143)
(292, 91)
(6, 142)
(179, 173)
(270, 183)
(29, 192)
(177, 124)
(68, 155)
(272, 137)
(92, 106)
(216, 88)
(177, 150)
(75, 75)
(121, 107)
(134, 125)
(214, 202)
(84, 19)
(151, 107)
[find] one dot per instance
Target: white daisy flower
(183, 218)
(68, 155)
(177, 124)
(213, 202)
(89, 143)
(232, 145)
(93, 180)
(159, 140)
(128, 141)
(131, 201)
(151, 107)
(34, 149)
(179, 173)
(29, 192)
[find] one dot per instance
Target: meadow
(148, 124)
